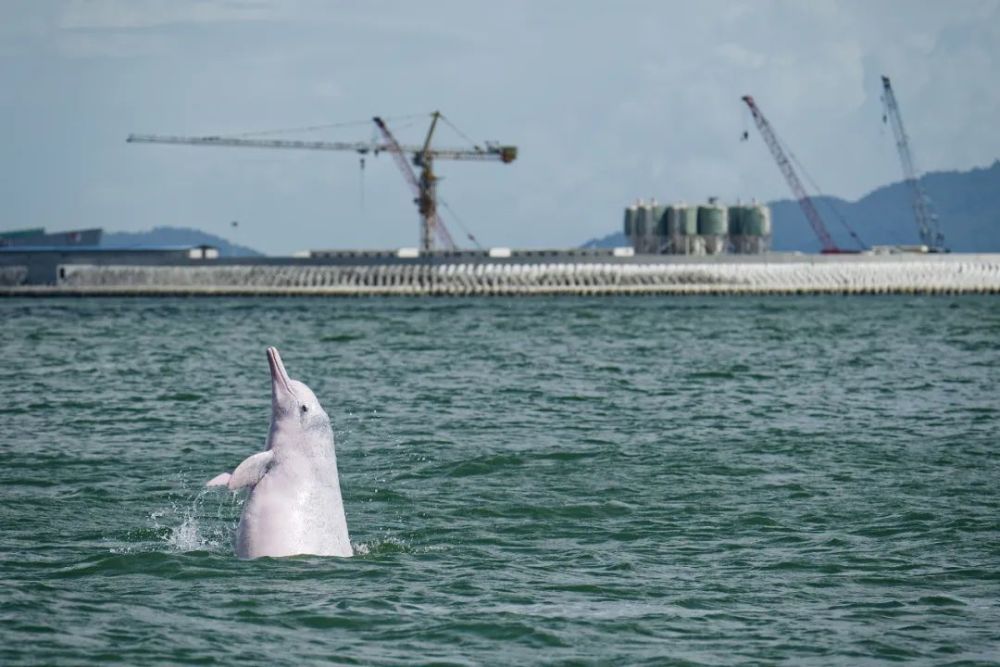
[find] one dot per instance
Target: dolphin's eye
(305, 408)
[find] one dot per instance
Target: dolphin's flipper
(251, 470)
(222, 479)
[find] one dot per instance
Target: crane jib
(505, 154)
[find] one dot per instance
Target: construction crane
(423, 156)
(927, 221)
(424, 188)
(805, 202)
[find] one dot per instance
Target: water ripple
(636, 481)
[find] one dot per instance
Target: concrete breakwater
(772, 274)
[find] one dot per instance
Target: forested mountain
(175, 236)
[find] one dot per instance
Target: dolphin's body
(295, 505)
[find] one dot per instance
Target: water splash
(188, 537)
(389, 544)
(205, 522)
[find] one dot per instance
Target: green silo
(675, 213)
(642, 220)
(712, 220)
(630, 221)
(736, 220)
(756, 220)
(659, 214)
(689, 221)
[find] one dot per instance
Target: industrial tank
(630, 212)
(640, 220)
(648, 240)
(675, 219)
(710, 228)
(754, 236)
(736, 220)
(689, 226)
(756, 220)
(712, 220)
(659, 217)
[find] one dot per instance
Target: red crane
(805, 202)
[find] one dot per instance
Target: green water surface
(703, 481)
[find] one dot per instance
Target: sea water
(590, 481)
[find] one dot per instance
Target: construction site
(677, 248)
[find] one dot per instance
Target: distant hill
(176, 236)
(612, 240)
(967, 203)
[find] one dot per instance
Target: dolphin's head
(294, 407)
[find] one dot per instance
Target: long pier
(541, 273)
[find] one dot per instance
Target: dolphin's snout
(279, 376)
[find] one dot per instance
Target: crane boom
(927, 221)
(805, 202)
(423, 188)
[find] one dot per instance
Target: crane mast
(424, 187)
(805, 202)
(927, 222)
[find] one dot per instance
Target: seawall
(537, 275)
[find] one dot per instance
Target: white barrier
(951, 274)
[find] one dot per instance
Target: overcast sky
(607, 102)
